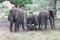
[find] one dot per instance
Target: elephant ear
(10, 15)
(18, 13)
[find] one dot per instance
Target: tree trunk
(54, 6)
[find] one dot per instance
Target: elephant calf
(31, 21)
(30, 27)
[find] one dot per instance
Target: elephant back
(44, 13)
(18, 12)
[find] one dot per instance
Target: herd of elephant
(16, 16)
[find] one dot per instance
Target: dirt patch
(29, 35)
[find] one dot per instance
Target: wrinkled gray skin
(43, 16)
(31, 19)
(16, 16)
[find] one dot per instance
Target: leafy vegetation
(30, 6)
(20, 3)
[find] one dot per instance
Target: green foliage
(39, 4)
(45, 4)
(3, 12)
(20, 3)
(42, 4)
(35, 6)
(1, 1)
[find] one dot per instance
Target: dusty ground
(29, 35)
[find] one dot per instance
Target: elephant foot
(16, 31)
(45, 28)
(52, 28)
(39, 28)
(11, 30)
(32, 29)
(35, 29)
(23, 29)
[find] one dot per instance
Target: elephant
(43, 16)
(16, 16)
(32, 21)
(52, 16)
(30, 27)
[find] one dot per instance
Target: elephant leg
(11, 24)
(50, 19)
(23, 26)
(35, 28)
(46, 23)
(39, 26)
(28, 26)
(53, 22)
(39, 23)
(42, 21)
(16, 27)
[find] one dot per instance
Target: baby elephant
(31, 27)
(31, 19)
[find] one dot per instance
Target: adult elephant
(52, 15)
(16, 16)
(43, 16)
(31, 22)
